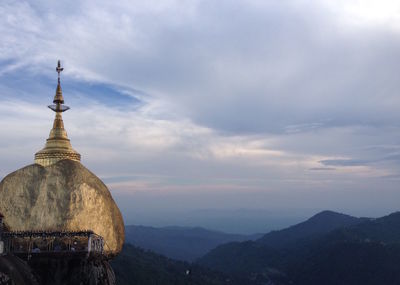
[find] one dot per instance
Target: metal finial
(58, 98)
(59, 69)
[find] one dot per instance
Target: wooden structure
(31, 243)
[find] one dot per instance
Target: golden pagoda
(58, 146)
(59, 194)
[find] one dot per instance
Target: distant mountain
(366, 253)
(317, 225)
(135, 266)
(346, 262)
(329, 248)
(385, 230)
(181, 243)
(245, 257)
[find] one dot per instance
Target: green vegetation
(329, 249)
(365, 252)
(135, 266)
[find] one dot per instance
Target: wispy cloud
(244, 95)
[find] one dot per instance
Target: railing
(1, 247)
(54, 242)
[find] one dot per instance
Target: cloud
(322, 168)
(274, 65)
(344, 162)
(244, 95)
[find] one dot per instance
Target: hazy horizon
(197, 108)
(235, 221)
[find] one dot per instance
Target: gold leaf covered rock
(63, 196)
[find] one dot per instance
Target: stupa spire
(58, 98)
(58, 146)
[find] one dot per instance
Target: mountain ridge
(354, 251)
(180, 243)
(137, 266)
(319, 224)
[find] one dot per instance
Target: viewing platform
(28, 244)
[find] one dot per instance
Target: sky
(239, 115)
